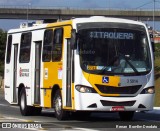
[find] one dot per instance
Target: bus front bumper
(95, 102)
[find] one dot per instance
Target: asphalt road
(97, 121)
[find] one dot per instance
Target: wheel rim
(23, 102)
(58, 105)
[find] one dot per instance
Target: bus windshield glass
(114, 50)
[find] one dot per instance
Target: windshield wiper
(129, 63)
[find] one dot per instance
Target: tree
(3, 36)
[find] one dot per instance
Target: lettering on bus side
(23, 72)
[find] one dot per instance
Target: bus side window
(57, 44)
(47, 45)
(9, 46)
(25, 47)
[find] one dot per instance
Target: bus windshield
(114, 51)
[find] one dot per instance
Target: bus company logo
(105, 79)
(23, 72)
(20, 72)
(6, 125)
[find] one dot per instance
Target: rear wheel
(24, 109)
(126, 115)
(57, 103)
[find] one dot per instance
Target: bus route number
(132, 80)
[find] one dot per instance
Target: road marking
(85, 129)
(3, 105)
(9, 106)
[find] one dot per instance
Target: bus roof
(106, 19)
(75, 21)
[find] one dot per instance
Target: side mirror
(73, 38)
(151, 36)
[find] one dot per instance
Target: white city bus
(81, 65)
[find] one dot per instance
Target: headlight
(85, 89)
(149, 90)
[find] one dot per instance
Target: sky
(105, 4)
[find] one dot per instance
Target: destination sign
(112, 35)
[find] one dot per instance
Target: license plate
(117, 108)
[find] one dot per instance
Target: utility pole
(153, 16)
(28, 10)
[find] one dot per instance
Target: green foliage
(157, 74)
(157, 50)
(3, 36)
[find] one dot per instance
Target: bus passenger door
(67, 74)
(37, 72)
(68, 79)
(15, 73)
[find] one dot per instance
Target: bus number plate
(117, 108)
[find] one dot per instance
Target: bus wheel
(126, 115)
(57, 103)
(25, 110)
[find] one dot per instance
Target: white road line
(3, 105)
(9, 106)
(85, 129)
(14, 118)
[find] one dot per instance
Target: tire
(24, 109)
(57, 104)
(126, 115)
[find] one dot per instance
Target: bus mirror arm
(152, 42)
(73, 39)
(153, 47)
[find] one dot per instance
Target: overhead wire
(144, 5)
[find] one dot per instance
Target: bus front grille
(118, 90)
(111, 103)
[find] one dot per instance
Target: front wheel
(126, 115)
(57, 103)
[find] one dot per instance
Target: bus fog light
(83, 89)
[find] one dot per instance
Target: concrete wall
(36, 14)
